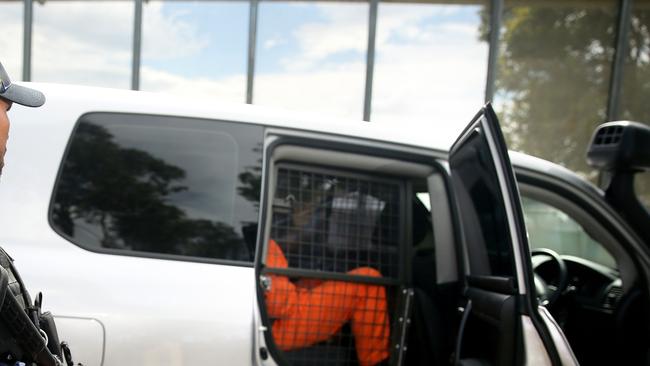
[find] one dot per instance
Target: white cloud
(91, 42)
(274, 42)
(82, 43)
(429, 74)
(400, 20)
(232, 88)
(169, 35)
(106, 23)
(342, 29)
(429, 71)
(336, 92)
(320, 40)
(465, 29)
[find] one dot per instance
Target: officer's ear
(7, 102)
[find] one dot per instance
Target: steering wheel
(548, 294)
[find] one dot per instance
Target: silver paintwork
(533, 345)
(559, 340)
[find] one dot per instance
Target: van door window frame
(276, 138)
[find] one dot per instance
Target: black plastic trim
(456, 229)
(502, 285)
(406, 249)
(336, 276)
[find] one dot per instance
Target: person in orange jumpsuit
(308, 313)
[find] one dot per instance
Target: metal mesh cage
(335, 223)
(333, 266)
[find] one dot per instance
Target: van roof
(77, 100)
(87, 99)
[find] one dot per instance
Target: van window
(549, 227)
(143, 185)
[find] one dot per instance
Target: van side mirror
(620, 146)
(620, 150)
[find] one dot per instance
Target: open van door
(502, 323)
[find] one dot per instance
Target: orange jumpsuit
(308, 315)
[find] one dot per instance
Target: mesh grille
(336, 223)
(329, 322)
(610, 135)
(333, 266)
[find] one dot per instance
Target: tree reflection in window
(114, 196)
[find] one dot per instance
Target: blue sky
(224, 28)
(277, 22)
(279, 25)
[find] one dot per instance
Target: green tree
(553, 76)
(636, 79)
(251, 179)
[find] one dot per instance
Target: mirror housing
(620, 150)
(620, 146)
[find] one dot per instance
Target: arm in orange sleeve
(282, 298)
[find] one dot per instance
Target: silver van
(152, 224)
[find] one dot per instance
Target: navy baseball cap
(18, 93)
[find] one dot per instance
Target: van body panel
(153, 311)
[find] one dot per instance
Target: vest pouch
(48, 326)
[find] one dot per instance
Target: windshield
(549, 227)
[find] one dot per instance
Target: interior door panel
(491, 329)
(494, 242)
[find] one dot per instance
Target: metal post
(496, 11)
(137, 46)
(370, 58)
(252, 43)
(28, 19)
(620, 51)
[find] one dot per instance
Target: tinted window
(161, 185)
(482, 208)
